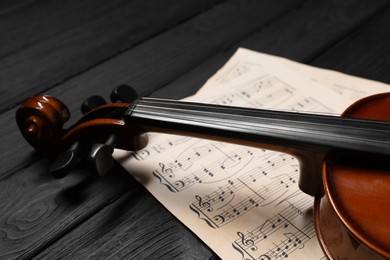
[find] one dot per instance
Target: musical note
(294, 240)
(224, 201)
(160, 147)
(194, 153)
(226, 100)
(286, 225)
(236, 71)
(226, 166)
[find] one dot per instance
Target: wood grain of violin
(343, 160)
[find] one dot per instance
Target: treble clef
(247, 242)
(203, 204)
(166, 170)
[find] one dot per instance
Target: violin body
(351, 187)
(352, 220)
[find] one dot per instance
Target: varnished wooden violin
(344, 161)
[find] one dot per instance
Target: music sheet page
(244, 202)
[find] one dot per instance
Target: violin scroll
(40, 120)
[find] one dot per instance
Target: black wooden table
(72, 49)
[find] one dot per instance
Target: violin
(344, 161)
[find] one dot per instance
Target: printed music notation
(159, 148)
(238, 196)
(244, 202)
(245, 61)
(270, 92)
(292, 226)
(182, 172)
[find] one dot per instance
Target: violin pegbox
(100, 158)
(92, 138)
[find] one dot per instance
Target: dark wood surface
(72, 49)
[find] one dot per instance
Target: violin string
(178, 104)
(164, 108)
(363, 133)
(155, 103)
(175, 102)
(119, 109)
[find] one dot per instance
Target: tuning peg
(91, 103)
(123, 93)
(66, 161)
(100, 159)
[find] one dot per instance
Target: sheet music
(245, 60)
(243, 202)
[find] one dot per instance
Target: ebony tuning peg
(123, 93)
(100, 158)
(66, 161)
(91, 103)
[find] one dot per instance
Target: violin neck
(306, 136)
(281, 131)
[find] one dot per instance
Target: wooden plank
(89, 243)
(366, 53)
(300, 35)
(31, 218)
(120, 231)
(54, 41)
(310, 35)
(179, 50)
(43, 20)
(9, 6)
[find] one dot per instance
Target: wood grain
(48, 45)
(365, 53)
(165, 54)
(119, 231)
(9, 6)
